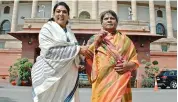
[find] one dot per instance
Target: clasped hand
(84, 51)
(122, 67)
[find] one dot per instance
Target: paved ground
(10, 93)
(140, 95)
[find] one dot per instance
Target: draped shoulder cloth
(55, 73)
(107, 84)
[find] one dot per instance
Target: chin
(61, 24)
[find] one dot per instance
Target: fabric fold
(55, 73)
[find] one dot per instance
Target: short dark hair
(60, 4)
(106, 12)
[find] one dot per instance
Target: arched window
(7, 10)
(84, 15)
(159, 13)
(160, 29)
(5, 27)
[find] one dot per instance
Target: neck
(112, 32)
(63, 26)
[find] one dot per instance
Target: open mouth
(110, 24)
(61, 19)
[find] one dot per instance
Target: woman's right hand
(84, 51)
(100, 36)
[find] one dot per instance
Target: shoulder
(47, 24)
(91, 39)
(124, 35)
(45, 29)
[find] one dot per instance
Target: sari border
(69, 97)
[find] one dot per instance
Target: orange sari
(107, 84)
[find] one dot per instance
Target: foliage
(155, 62)
(13, 73)
(148, 82)
(151, 69)
(148, 64)
(21, 70)
(143, 61)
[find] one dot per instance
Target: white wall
(25, 10)
(174, 19)
(85, 6)
(123, 12)
(143, 13)
(104, 5)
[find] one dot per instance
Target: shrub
(155, 62)
(21, 71)
(150, 70)
(143, 61)
(13, 73)
(148, 82)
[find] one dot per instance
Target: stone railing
(89, 24)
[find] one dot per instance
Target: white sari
(55, 73)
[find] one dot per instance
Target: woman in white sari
(55, 73)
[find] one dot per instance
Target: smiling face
(109, 22)
(61, 16)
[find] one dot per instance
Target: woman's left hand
(124, 66)
(81, 67)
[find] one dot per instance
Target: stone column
(152, 17)
(114, 6)
(15, 16)
(94, 9)
(34, 8)
(0, 7)
(74, 9)
(134, 10)
(52, 6)
(169, 20)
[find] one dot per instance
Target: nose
(61, 13)
(109, 19)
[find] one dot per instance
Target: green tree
(21, 71)
(151, 69)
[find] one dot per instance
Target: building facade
(160, 17)
(159, 14)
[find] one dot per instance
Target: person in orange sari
(110, 59)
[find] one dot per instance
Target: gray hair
(108, 12)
